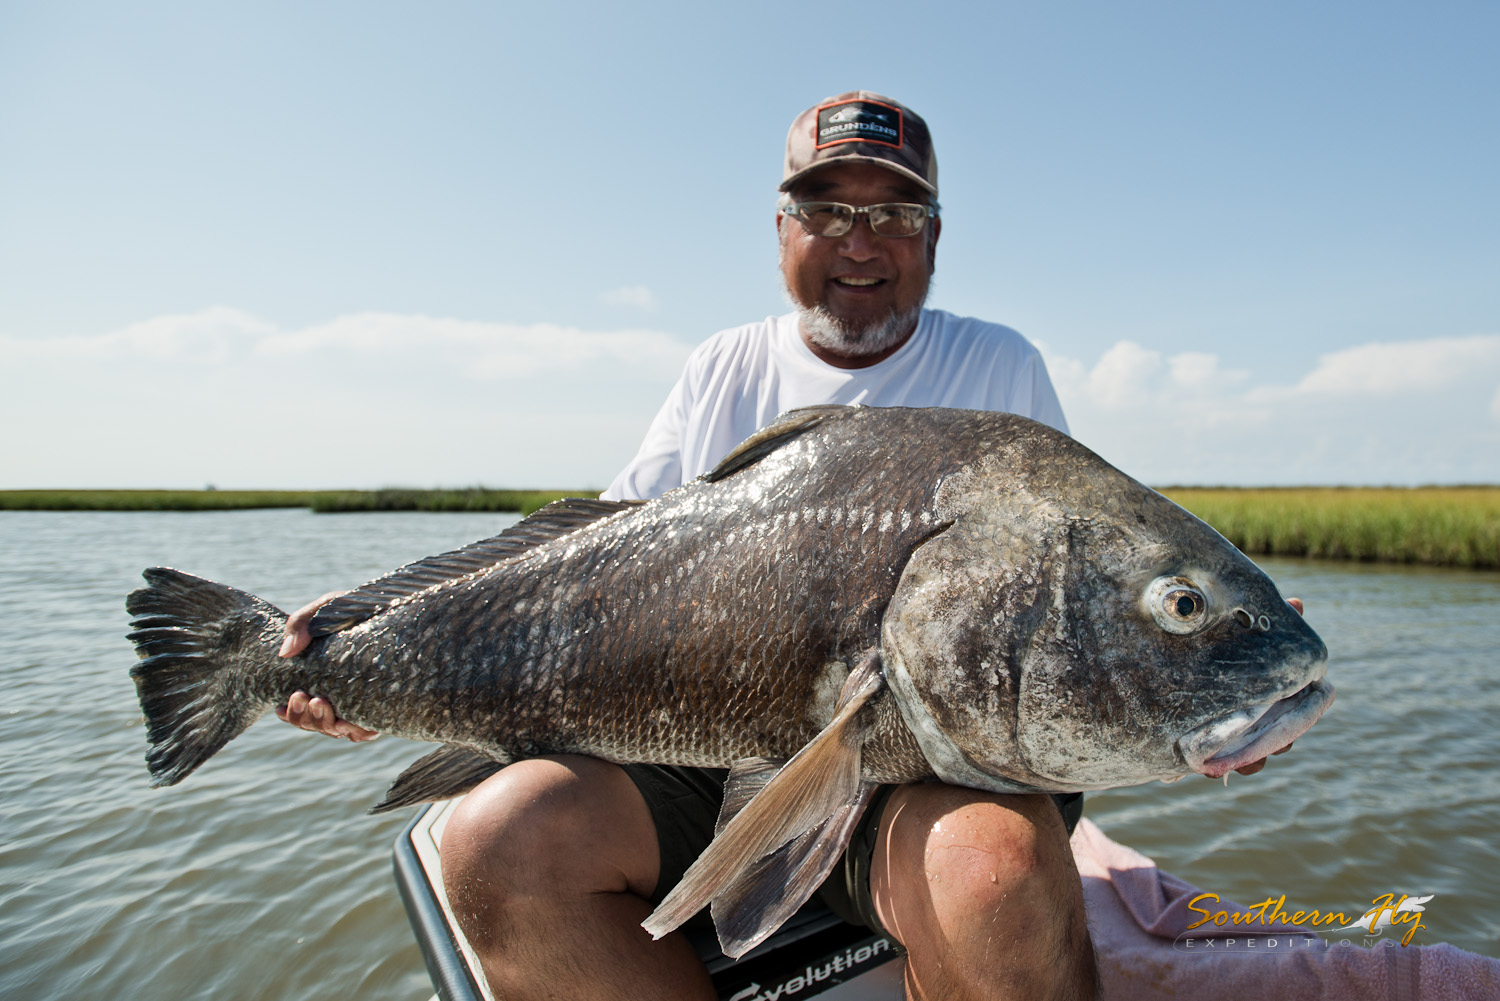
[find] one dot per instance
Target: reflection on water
(262, 876)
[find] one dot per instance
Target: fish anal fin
(771, 437)
(819, 781)
(751, 908)
(746, 779)
(554, 521)
(448, 771)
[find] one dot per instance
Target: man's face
(860, 280)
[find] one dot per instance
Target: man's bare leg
(548, 864)
(982, 891)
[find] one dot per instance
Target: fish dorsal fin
(808, 794)
(771, 437)
(554, 521)
(448, 771)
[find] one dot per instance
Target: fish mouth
(1249, 734)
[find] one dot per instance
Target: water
(1395, 790)
(261, 876)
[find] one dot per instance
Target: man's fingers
(1297, 604)
(318, 715)
(1256, 766)
(357, 734)
(323, 718)
(304, 711)
(296, 635)
(326, 721)
(296, 709)
(303, 615)
(315, 714)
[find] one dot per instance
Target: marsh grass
(1444, 526)
(152, 500)
(470, 499)
(323, 501)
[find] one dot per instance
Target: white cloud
(373, 398)
(478, 350)
(362, 400)
(209, 337)
(463, 349)
(1198, 370)
(1401, 368)
(1122, 375)
(638, 296)
(1394, 412)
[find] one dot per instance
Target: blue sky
(340, 244)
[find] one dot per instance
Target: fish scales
(565, 677)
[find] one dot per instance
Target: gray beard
(842, 338)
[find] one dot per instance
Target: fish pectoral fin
(813, 787)
(746, 779)
(448, 771)
(760, 900)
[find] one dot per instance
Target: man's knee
(545, 830)
(993, 844)
(547, 863)
(957, 868)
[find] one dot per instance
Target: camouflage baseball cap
(859, 126)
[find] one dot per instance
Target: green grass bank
(323, 501)
(1444, 526)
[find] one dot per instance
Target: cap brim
(905, 172)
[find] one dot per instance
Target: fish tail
(199, 644)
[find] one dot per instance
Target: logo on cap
(859, 122)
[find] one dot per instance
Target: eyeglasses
(836, 218)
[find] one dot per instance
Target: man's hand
(317, 715)
(1256, 766)
(296, 637)
(303, 710)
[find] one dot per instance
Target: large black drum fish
(854, 596)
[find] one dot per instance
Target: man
(552, 863)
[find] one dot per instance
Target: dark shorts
(684, 803)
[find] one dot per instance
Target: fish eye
(1177, 605)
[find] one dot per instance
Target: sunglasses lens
(836, 218)
(896, 219)
(826, 218)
